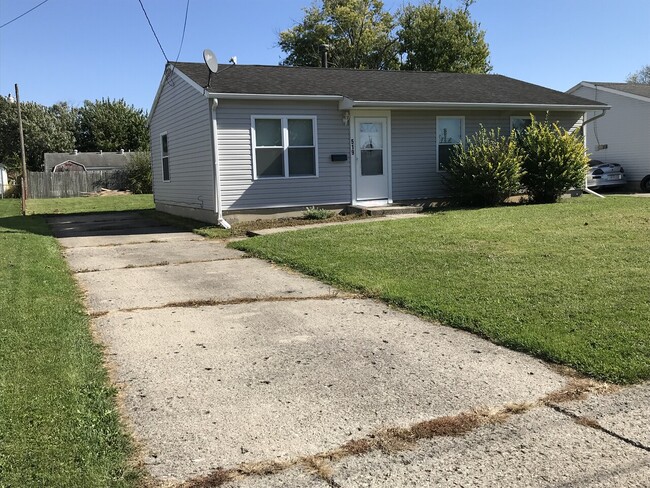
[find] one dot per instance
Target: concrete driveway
(235, 372)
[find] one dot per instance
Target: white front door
(371, 158)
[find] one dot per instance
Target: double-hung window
(284, 146)
(450, 132)
(165, 156)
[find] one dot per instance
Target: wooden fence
(72, 183)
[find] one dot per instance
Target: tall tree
(642, 76)
(358, 34)
(111, 125)
(46, 129)
(437, 38)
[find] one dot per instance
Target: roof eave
(481, 106)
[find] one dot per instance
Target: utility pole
(23, 183)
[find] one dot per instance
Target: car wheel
(645, 184)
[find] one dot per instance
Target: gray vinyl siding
(625, 129)
(414, 149)
(184, 114)
(238, 188)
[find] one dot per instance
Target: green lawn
(568, 282)
(59, 425)
(112, 203)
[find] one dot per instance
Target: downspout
(217, 178)
(584, 125)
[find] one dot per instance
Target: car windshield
(593, 164)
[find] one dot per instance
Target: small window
(520, 123)
(450, 133)
(165, 157)
(284, 147)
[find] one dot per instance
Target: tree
(46, 129)
(642, 76)
(358, 34)
(436, 38)
(111, 125)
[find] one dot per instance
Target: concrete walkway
(235, 372)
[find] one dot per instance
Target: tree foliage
(45, 129)
(642, 76)
(101, 125)
(358, 34)
(436, 38)
(111, 125)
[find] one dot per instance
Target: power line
(153, 30)
(187, 7)
(23, 14)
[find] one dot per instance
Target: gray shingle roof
(632, 88)
(377, 86)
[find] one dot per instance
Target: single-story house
(86, 161)
(623, 134)
(274, 137)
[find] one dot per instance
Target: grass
(59, 425)
(111, 203)
(569, 282)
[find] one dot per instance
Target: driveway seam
(232, 301)
(593, 424)
(160, 264)
(394, 439)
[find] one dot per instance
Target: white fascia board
(596, 86)
(157, 97)
(480, 106)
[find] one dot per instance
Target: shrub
(486, 171)
(313, 213)
(138, 173)
(554, 161)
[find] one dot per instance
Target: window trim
(162, 159)
(284, 124)
(462, 136)
(522, 117)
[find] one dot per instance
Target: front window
(284, 147)
(520, 123)
(450, 132)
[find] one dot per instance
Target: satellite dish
(210, 60)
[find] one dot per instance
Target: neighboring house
(86, 161)
(623, 134)
(276, 137)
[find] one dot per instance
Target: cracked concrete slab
(626, 412)
(217, 280)
(294, 478)
(217, 386)
(115, 238)
(147, 254)
(542, 448)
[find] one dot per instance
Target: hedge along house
(259, 138)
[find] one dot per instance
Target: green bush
(137, 173)
(313, 213)
(486, 171)
(554, 161)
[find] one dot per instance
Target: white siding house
(258, 138)
(622, 135)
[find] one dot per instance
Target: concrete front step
(379, 211)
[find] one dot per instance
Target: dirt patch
(578, 389)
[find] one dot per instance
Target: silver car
(605, 175)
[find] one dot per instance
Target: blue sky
(72, 50)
